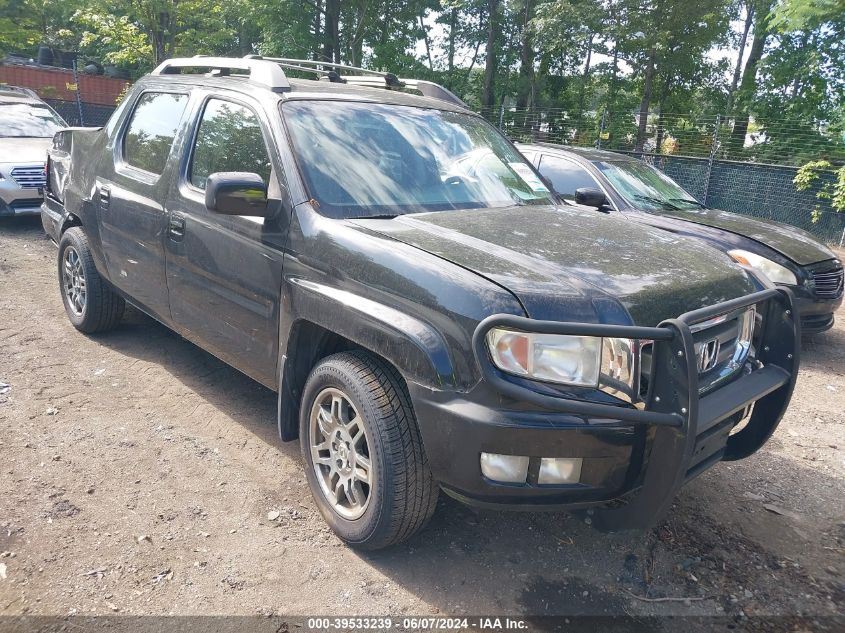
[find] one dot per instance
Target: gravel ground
(139, 475)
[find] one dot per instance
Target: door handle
(176, 227)
(105, 197)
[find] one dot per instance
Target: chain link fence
(741, 166)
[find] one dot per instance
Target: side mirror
(591, 197)
(236, 193)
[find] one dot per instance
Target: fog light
(560, 470)
(512, 469)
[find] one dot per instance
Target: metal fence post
(714, 144)
(78, 97)
(601, 128)
(501, 115)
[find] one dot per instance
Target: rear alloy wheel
(73, 278)
(363, 453)
(90, 303)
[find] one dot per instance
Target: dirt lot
(137, 474)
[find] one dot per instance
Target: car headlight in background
(775, 272)
(609, 364)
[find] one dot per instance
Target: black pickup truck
(430, 317)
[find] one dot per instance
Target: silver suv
(27, 125)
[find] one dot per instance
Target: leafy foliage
(832, 189)
(640, 74)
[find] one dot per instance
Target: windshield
(366, 159)
(28, 120)
(645, 187)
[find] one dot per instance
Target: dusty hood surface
(789, 241)
(565, 263)
(23, 151)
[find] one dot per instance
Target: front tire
(91, 305)
(363, 453)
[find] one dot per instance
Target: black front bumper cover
(686, 432)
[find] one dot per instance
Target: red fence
(97, 95)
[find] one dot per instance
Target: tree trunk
(525, 95)
(450, 54)
(645, 102)
(331, 40)
(748, 84)
(585, 77)
(749, 19)
(488, 95)
(424, 30)
(356, 48)
(318, 30)
(159, 35)
(661, 123)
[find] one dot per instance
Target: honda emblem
(708, 355)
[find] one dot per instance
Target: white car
(27, 125)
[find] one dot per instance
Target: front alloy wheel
(340, 453)
(364, 458)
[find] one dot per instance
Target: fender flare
(413, 346)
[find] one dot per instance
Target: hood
(565, 263)
(791, 242)
(23, 151)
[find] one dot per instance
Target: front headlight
(775, 272)
(568, 360)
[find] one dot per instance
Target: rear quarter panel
(75, 157)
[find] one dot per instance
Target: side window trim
(120, 164)
(568, 160)
(185, 171)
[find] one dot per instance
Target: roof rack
(262, 72)
(369, 78)
(268, 72)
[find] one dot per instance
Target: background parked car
(27, 125)
(615, 183)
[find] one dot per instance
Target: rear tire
(91, 305)
(363, 454)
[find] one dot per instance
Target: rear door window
(566, 176)
(151, 130)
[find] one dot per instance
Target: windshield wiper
(381, 216)
(658, 201)
(690, 201)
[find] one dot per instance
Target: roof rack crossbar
(304, 69)
(426, 88)
(261, 72)
(331, 75)
(314, 63)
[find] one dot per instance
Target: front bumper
(816, 309)
(15, 199)
(644, 455)
(27, 205)
(817, 315)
